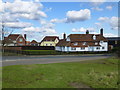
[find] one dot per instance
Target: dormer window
(76, 43)
(101, 42)
(96, 43)
(68, 39)
(20, 39)
(84, 43)
(94, 37)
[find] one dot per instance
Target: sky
(39, 19)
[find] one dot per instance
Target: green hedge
(40, 52)
(53, 52)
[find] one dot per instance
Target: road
(22, 60)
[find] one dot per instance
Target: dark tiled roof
(33, 41)
(12, 37)
(113, 38)
(50, 38)
(86, 37)
(80, 39)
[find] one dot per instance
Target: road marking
(8, 60)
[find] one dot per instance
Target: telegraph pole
(2, 36)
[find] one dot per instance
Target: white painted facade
(103, 47)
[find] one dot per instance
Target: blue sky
(56, 18)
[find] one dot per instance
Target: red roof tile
(50, 38)
(80, 39)
(33, 41)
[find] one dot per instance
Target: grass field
(85, 74)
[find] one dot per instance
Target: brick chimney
(25, 38)
(101, 31)
(87, 31)
(64, 36)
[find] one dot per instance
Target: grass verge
(85, 74)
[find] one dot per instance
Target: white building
(83, 42)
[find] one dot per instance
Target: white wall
(78, 49)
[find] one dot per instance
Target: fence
(30, 50)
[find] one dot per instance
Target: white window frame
(82, 48)
(84, 43)
(76, 43)
(103, 47)
(20, 39)
(73, 48)
(98, 48)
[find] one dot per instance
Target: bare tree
(5, 32)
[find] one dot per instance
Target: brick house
(15, 40)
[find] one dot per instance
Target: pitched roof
(86, 37)
(50, 38)
(12, 37)
(80, 39)
(113, 38)
(33, 41)
(28, 42)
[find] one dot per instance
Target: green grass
(94, 74)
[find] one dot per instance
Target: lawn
(85, 74)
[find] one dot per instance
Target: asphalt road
(22, 60)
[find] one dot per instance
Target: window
(82, 48)
(98, 48)
(103, 47)
(101, 42)
(75, 43)
(96, 43)
(94, 37)
(20, 39)
(84, 43)
(73, 48)
(115, 42)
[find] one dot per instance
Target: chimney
(25, 38)
(101, 31)
(64, 36)
(87, 31)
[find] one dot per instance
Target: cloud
(19, 6)
(110, 35)
(58, 20)
(46, 28)
(1, 6)
(22, 9)
(109, 7)
(98, 24)
(103, 19)
(97, 2)
(81, 15)
(113, 21)
(97, 9)
(74, 16)
(43, 30)
(17, 24)
(82, 29)
(17, 10)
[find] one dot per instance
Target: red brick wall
(19, 43)
(13, 48)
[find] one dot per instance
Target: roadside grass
(85, 74)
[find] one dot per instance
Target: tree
(4, 33)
